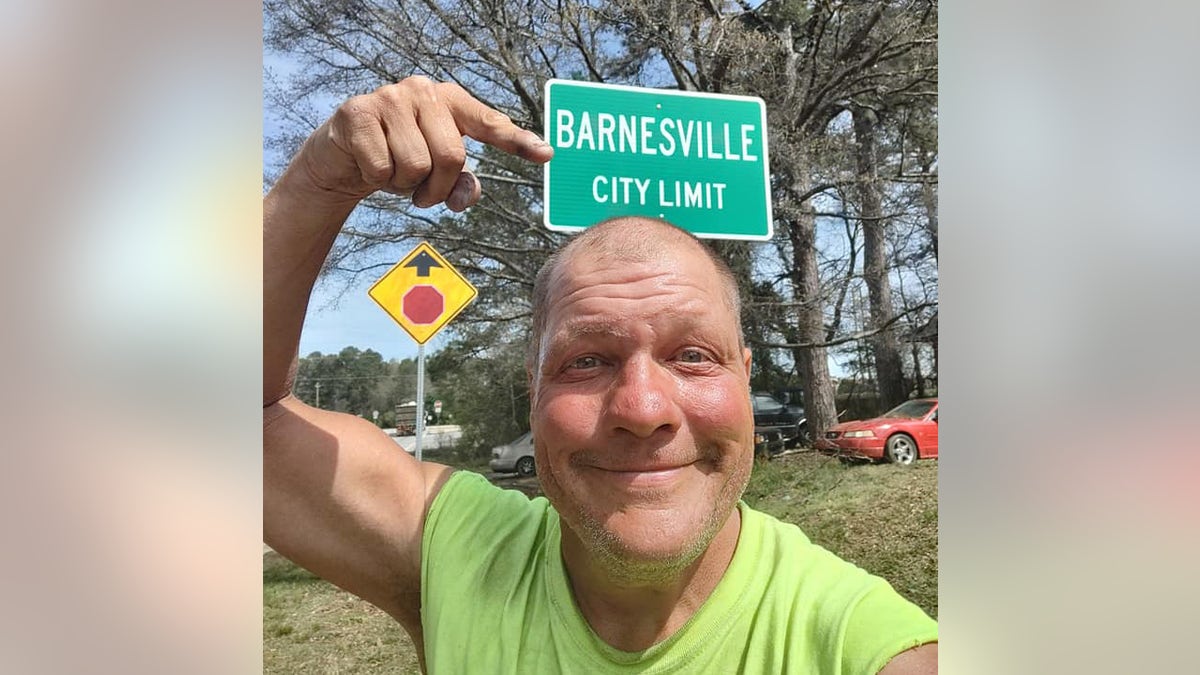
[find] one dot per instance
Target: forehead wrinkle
(630, 288)
(586, 306)
(681, 322)
(590, 315)
(588, 276)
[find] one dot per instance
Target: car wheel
(901, 449)
(525, 466)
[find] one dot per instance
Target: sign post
(420, 430)
(423, 292)
(696, 160)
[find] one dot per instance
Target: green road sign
(696, 160)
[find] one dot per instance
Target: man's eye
(585, 362)
(692, 356)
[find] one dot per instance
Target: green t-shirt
(496, 599)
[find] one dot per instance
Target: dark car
(768, 442)
(771, 415)
(901, 435)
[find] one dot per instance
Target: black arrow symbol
(423, 262)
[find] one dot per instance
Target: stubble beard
(609, 553)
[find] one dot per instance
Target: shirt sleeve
(881, 625)
(475, 533)
(469, 517)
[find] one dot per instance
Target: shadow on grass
(278, 570)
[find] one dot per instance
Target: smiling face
(641, 413)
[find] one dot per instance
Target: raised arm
(339, 497)
(406, 139)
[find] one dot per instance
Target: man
(642, 559)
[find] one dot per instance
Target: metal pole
(420, 398)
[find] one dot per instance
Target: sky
(340, 316)
(354, 320)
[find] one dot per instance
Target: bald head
(632, 240)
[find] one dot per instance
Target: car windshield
(910, 410)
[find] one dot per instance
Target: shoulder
(796, 561)
(470, 500)
(846, 615)
(471, 518)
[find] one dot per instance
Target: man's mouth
(644, 476)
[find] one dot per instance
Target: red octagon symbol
(423, 304)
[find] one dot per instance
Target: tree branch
(855, 337)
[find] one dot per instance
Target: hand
(406, 138)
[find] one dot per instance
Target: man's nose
(643, 398)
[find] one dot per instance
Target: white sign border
(762, 109)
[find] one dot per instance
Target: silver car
(516, 456)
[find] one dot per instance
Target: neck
(632, 608)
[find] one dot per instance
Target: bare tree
(810, 60)
(888, 374)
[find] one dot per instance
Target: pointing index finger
(495, 128)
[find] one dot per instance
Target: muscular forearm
(300, 223)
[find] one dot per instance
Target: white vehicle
(515, 457)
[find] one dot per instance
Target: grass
(311, 626)
(882, 518)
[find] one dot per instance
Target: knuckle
(403, 92)
(376, 173)
(494, 119)
(391, 94)
(451, 156)
(413, 171)
(355, 112)
(416, 86)
(449, 89)
(357, 105)
(418, 81)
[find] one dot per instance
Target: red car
(901, 435)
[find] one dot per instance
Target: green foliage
(785, 12)
(359, 382)
(764, 317)
(488, 390)
(480, 381)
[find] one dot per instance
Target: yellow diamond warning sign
(422, 292)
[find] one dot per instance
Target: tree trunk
(888, 373)
(812, 362)
(935, 364)
(917, 375)
(929, 199)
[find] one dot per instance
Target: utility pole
(318, 394)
